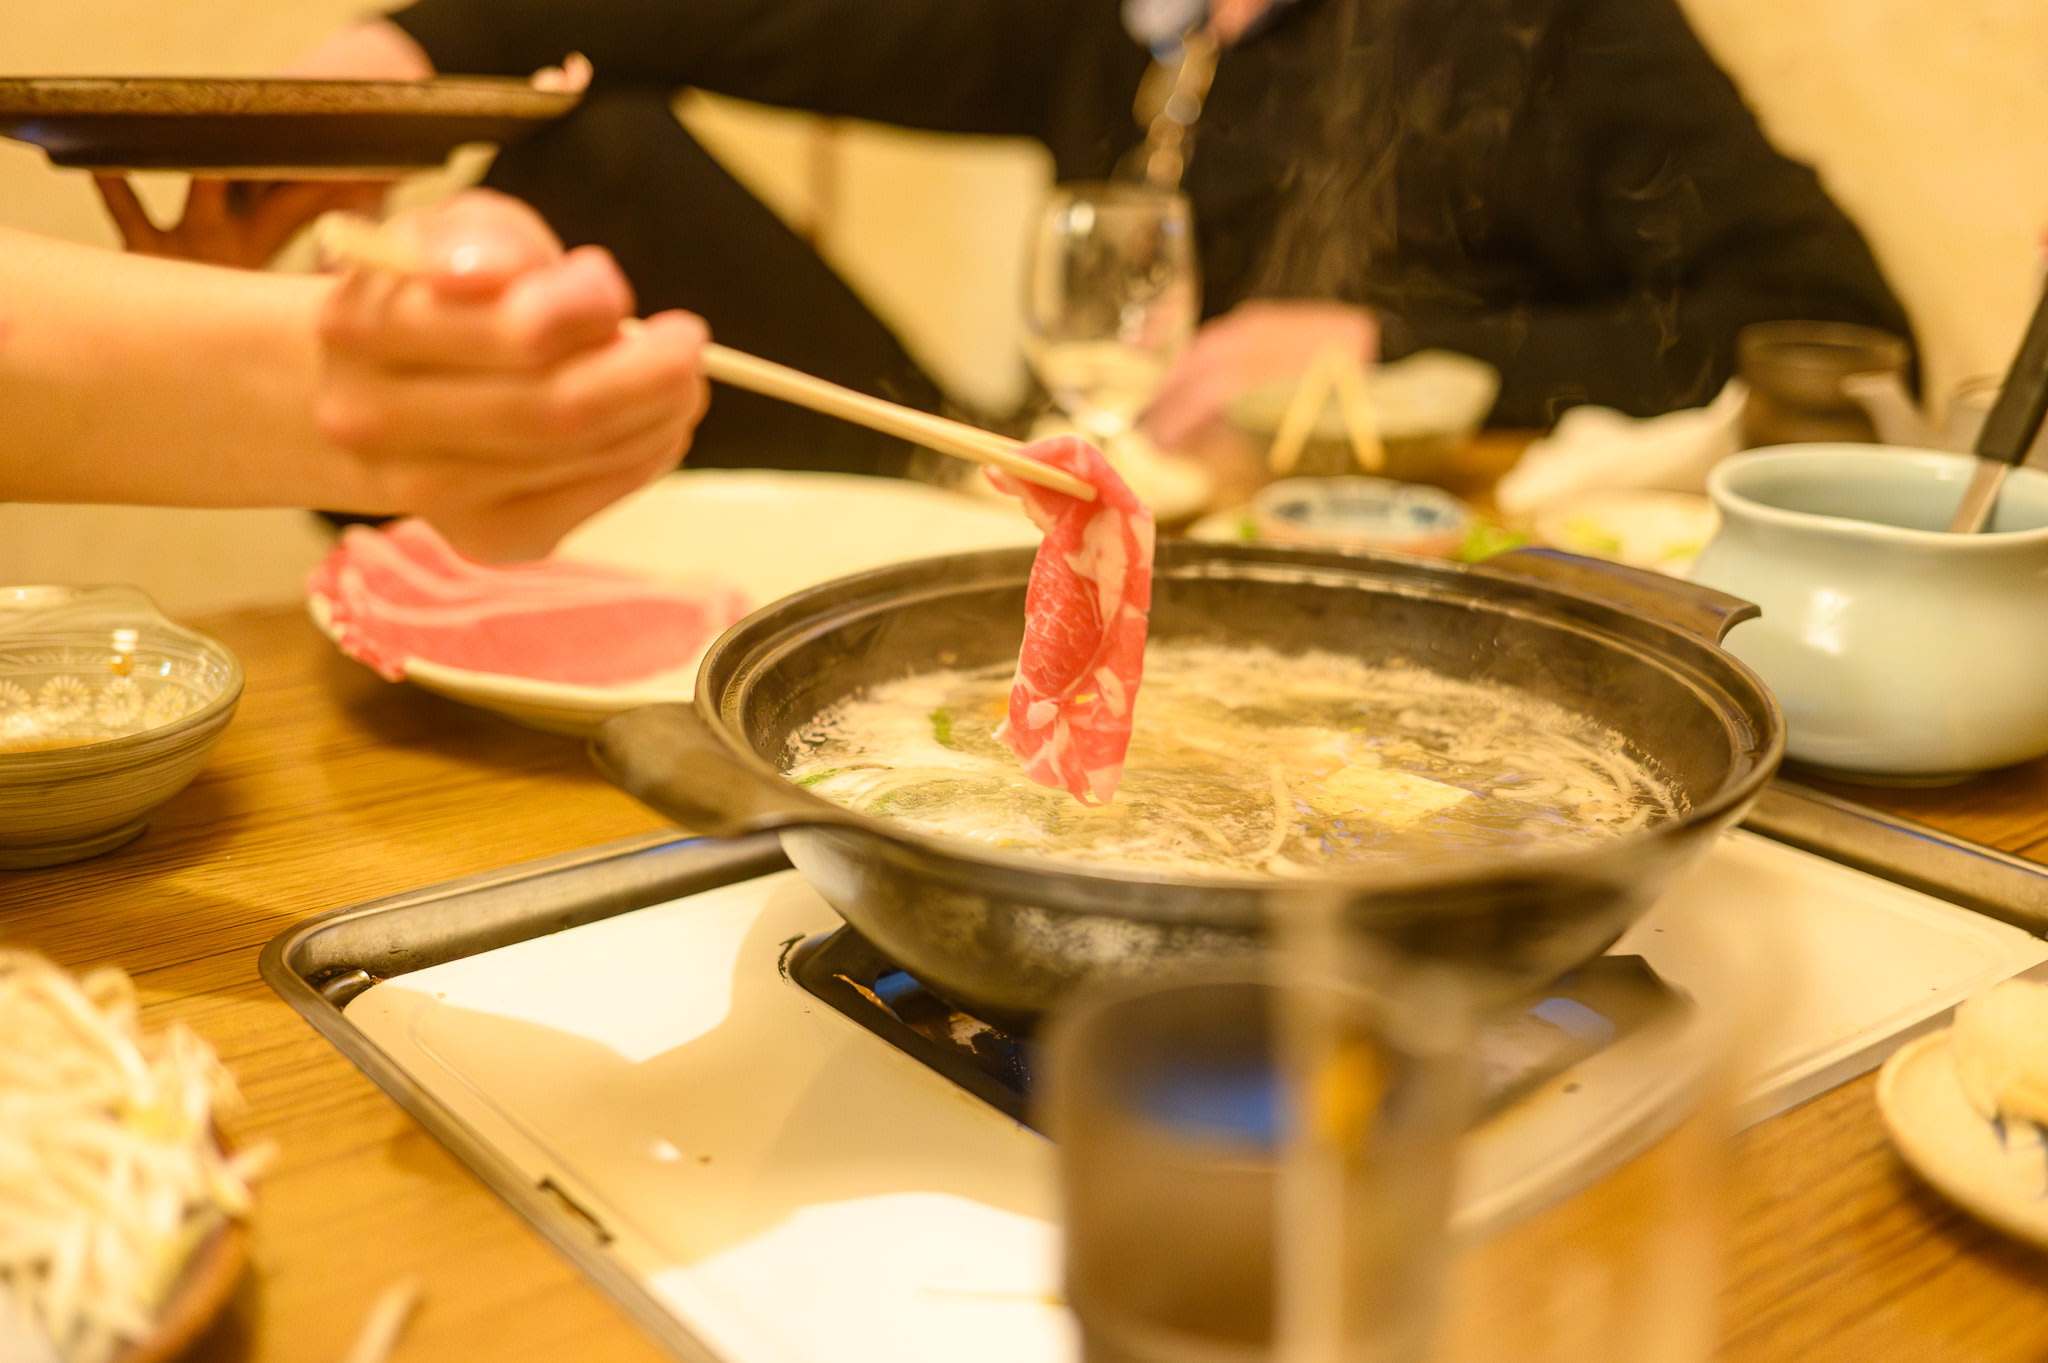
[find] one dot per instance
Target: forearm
(128, 379)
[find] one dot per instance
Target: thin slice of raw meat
(1085, 614)
(408, 562)
(401, 594)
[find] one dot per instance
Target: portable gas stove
(772, 1146)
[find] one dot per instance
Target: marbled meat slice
(408, 562)
(401, 594)
(1085, 614)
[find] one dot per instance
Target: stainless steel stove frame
(320, 964)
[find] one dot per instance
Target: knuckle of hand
(697, 400)
(569, 414)
(424, 483)
(531, 344)
(673, 377)
(339, 325)
(533, 337)
(351, 423)
(678, 445)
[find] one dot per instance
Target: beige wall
(928, 229)
(1928, 118)
(1929, 121)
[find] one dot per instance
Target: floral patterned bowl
(107, 709)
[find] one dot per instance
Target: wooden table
(332, 787)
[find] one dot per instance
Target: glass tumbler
(1172, 1116)
(1795, 373)
(1622, 1259)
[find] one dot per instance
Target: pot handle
(1686, 605)
(670, 759)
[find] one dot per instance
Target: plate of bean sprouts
(123, 1217)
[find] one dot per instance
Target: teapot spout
(1883, 396)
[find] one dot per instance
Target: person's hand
(247, 222)
(1263, 341)
(375, 49)
(572, 77)
(243, 223)
(498, 394)
(1228, 19)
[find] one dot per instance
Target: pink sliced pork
(1085, 614)
(400, 594)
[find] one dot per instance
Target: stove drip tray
(774, 1186)
(1519, 1051)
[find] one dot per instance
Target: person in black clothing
(1571, 190)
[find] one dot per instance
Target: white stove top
(793, 1190)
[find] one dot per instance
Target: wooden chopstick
(1361, 422)
(1304, 409)
(956, 438)
(1330, 371)
(358, 241)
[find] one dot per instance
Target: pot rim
(736, 651)
(1954, 467)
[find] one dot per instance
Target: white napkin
(1598, 447)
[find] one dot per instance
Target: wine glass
(1111, 297)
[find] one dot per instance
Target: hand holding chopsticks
(359, 242)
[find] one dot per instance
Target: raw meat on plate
(401, 594)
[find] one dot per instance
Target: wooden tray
(268, 128)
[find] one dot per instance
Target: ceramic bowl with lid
(107, 709)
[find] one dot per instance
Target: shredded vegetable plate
(110, 1173)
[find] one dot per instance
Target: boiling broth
(1244, 761)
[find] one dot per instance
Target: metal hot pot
(1006, 934)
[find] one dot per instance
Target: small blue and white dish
(1361, 513)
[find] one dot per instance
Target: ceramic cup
(1900, 652)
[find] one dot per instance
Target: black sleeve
(999, 67)
(1665, 222)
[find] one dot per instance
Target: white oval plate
(768, 532)
(1957, 1151)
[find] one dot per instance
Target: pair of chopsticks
(1331, 368)
(346, 238)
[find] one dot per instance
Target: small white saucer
(1173, 487)
(2001, 1178)
(1643, 527)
